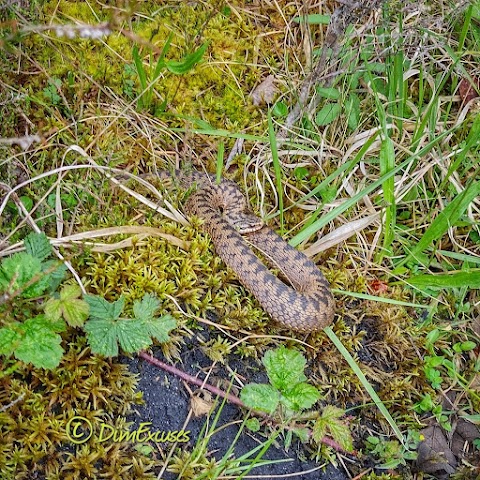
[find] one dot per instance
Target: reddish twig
(231, 398)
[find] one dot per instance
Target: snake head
(243, 222)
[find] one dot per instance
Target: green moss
(33, 429)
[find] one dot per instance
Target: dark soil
(167, 404)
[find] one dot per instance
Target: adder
(305, 306)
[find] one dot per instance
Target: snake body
(307, 305)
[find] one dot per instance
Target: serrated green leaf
(300, 397)
(330, 424)
(74, 310)
(188, 62)
(9, 339)
(340, 432)
(146, 308)
(302, 433)
(331, 412)
(328, 114)
(55, 277)
(53, 309)
(102, 310)
(18, 270)
(102, 337)
(159, 328)
(39, 345)
(260, 397)
(132, 335)
(284, 367)
(144, 311)
(37, 245)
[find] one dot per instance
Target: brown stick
(231, 398)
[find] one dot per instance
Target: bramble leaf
(284, 368)
(9, 339)
(331, 424)
(18, 270)
(104, 336)
(300, 397)
(261, 397)
(40, 344)
(103, 310)
(146, 307)
(69, 306)
(158, 328)
(37, 245)
(105, 329)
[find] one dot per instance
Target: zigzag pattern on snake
(307, 305)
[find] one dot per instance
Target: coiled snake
(307, 305)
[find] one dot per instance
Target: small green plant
(106, 328)
(50, 92)
(148, 78)
(392, 453)
(289, 396)
(427, 404)
(437, 366)
(29, 277)
(24, 277)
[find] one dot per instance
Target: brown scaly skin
(309, 305)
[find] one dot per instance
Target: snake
(307, 304)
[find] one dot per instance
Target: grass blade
(366, 384)
(387, 163)
(276, 167)
(445, 219)
(462, 279)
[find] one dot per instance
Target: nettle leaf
(18, 270)
(103, 310)
(40, 344)
(300, 397)
(331, 424)
(9, 339)
(37, 245)
(69, 306)
(284, 368)
(158, 328)
(260, 397)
